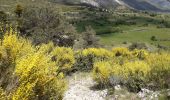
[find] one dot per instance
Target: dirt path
(80, 88)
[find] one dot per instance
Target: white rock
(117, 87)
(79, 89)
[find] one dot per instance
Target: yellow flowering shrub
(97, 52)
(36, 73)
(28, 72)
(24, 92)
(135, 75)
(2, 95)
(122, 55)
(140, 54)
(86, 58)
(121, 51)
(63, 57)
(160, 68)
(139, 69)
(101, 72)
(12, 47)
(46, 48)
(16, 46)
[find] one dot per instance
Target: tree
(89, 37)
(19, 10)
(46, 24)
(153, 38)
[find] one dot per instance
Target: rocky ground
(81, 87)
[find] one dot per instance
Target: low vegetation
(38, 72)
(136, 69)
(41, 43)
(32, 72)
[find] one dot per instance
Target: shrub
(133, 74)
(37, 78)
(89, 38)
(120, 51)
(64, 58)
(101, 72)
(11, 48)
(138, 46)
(135, 69)
(140, 54)
(153, 38)
(86, 58)
(16, 46)
(98, 53)
(2, 95)
(160, 69)
(19, 10)
(129, 67)
(46, 25)
(3, 16)
(27, 72)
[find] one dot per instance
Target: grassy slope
(104, 23)
(138, 34)
(142, 31)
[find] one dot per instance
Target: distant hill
(147, 5)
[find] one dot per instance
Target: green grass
(144, 27)
(138, 34)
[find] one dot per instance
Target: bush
(19, 10)
(135, 74)
(86, 58)
(37, 78)
(140, 54)
(101, 72)
(160, 69)
(2, 95)
(3, 16)
(121, 51)
(132, 74)
(27, 72)
(89, 38)
(46, 25)
(64, 58)
(134, 69)
(153, 38)
(138, 46)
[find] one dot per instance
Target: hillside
(84, 50)
(147, 5)
(119, 27)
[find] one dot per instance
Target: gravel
(80, 89)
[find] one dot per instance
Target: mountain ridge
(145, 5)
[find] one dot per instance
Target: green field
(138, 34)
